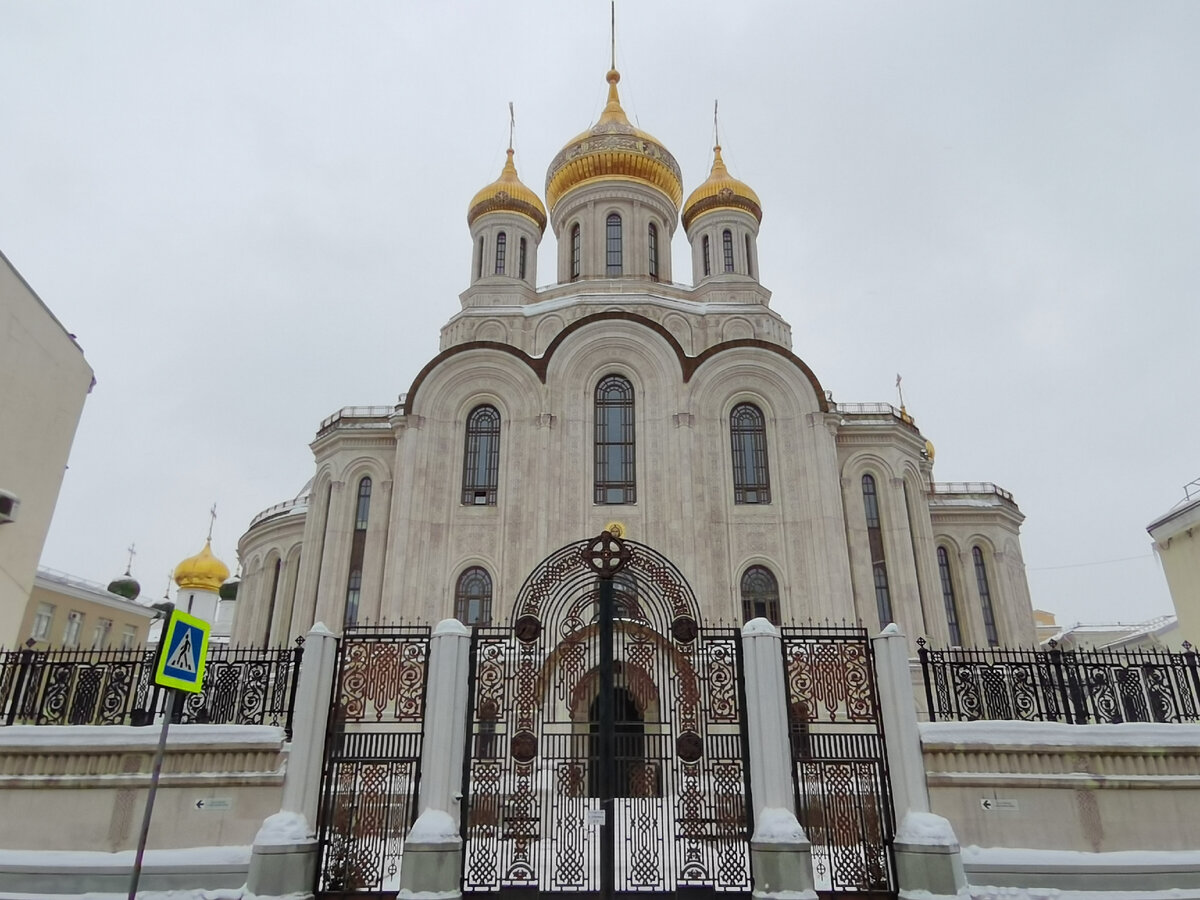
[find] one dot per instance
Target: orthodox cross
(132, 554)
(212, 520)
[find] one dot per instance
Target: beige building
(1177, 543)
(44, 380)
(65, 611)
(615, 394)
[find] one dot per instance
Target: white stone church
(616, 394)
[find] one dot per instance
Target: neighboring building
(44, 380)
(1177, 543)
(70, 612)
(1046, 624)
(616, 394)
(1159, 633)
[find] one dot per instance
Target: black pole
(608, 762)
(171, 705)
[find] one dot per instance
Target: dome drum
(638, 207)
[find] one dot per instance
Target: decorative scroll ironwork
(1056, 685)
(372, 758)
(843, 797)
(242, 686)
(681, 812)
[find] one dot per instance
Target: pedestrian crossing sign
(184, 649)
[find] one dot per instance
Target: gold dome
(202, 572)
(508, 194)
(613, 148)
(720, 191)
(929, 450)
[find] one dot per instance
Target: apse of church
(617, 395)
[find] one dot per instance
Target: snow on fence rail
(1075, 686)
(242, 686)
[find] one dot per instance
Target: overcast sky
(252, 214)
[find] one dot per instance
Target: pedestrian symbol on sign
(185, 644)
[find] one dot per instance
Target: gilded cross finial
(512, 124)
(716, 130)
(212, 513)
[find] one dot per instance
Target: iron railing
(1056, 685)
(242, 686)
(970, 487)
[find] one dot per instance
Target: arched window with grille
(951, 604)
(883, 599)
(473, 597)
(751, 474)
(760, 594)
(652, 248)
(576, 251)
(727, 249)
(615, 473)
(501, 248)
(521, 259)
(705, 254)
(985, 597)
(481, 457)
(612, 246)
(358, 549)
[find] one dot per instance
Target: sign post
(182, 650)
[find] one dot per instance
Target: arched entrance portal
(607, 751)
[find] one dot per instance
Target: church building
(618, 396)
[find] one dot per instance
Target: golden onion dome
(202, 572)
(720, 191)
(508, 194)
(929, 450)
(613, 148)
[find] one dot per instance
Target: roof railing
(271, 511)
(970, 487)
(354, 413)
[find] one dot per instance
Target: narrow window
(271, 606)
(576, 250)
(653, 251)
(358, 548)
(943, 559)
(43, 619)
(501, 247)
(481, 457)
(614, 444)
(883, 600)
(128, 637)
(707, 266)
(760, 595)
(613, 246)
(479, 264)
(749, 259)
(74, 626)
(727, 247)
(985, 598)
(521, 259)
(751, 477)
(473, 597)
(100, 634)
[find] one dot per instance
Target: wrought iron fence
(1056, 685)
(242, 686)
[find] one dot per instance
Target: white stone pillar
(286, 853)
(928, 857)
(432, 860)
(780, 854)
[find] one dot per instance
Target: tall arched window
(613, 246)
(576, 251)
(985, 597)
(704, 249)
(271, 606)
(943, 558)
(883, 599)
(358, 548)
(479, 264)
(751, 476)
(653, 250)
(760, 594)
(615, 480)
(521, 259)
(501, 247)
(727, 248)
(481, 457)
(749, 259)
(473, 597)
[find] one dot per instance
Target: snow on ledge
(434, 826)
(283, 828)
(926, 828)
(775, 825)
(103, 736)
(1045, 859)
(44, 860)
(1060, 734)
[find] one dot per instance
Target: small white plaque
(213, 804)
(594, 818)
(994, 803)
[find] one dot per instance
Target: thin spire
(716, 129)
(212, 520)
(132, 554)
(900, 391)
(613, 35)
(512, 124)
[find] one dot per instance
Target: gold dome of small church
(720, 191)
(508, 194)
(202, 572)
(613, 148)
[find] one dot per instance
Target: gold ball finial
(616, 529)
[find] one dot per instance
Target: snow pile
(434, 827)
(405, 894)
(777, 826)
(180, 858)
(283, 828)
(1059, 734)
(109, 736)
(926, 828)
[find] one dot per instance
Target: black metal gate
(372, 759)
(606, 745)
(843, 797)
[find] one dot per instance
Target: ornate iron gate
(372, 759)
(606, 765)
(843, 797)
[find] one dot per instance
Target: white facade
(691, 355)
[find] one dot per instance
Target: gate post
(286, 853)
(780, 854)
(928, 857)
(432, 859)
